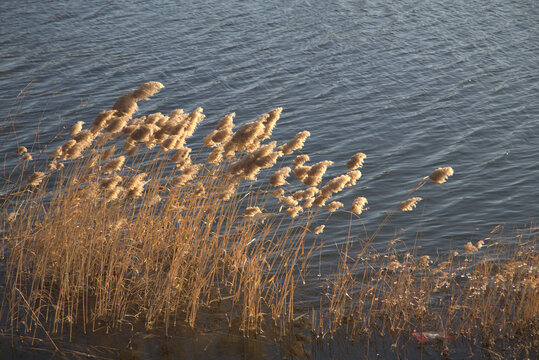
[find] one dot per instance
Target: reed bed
(125, 223)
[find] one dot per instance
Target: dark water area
(414, 85)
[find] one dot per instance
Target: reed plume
(279, 177)
(359, 205)
(112, 182)
(75, 129)
(440, 175)
(222, 132)
(316, 172)
(301, 172)
(469, 247)
(300, 160)
(294, 211)
(251, 211)
(319, 229)
(269, 122)
(114, 165)
(36, 178)
(295, 144)
(334, 206)
(356, 161)
(21, 150)
(410, 204)
(135, 185)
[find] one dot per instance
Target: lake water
(414, 85)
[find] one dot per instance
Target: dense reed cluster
(129, 224)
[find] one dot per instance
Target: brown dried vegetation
(100, 242)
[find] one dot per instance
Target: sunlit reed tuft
(295, 144)
(114, 165)
(440, 175)
(334, 206)
(470, 248)
(75, 129)
(294, 211)
(316, 172)
(359, 205)
(36, 178)
(410, 204)
(252, 211)
(279, 177)
(319, 229)
(356, 161)
(300, 160)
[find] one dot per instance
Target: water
(414, 85)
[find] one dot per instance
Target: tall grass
(128, 224)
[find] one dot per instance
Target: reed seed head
(114, 165)
(469, 247)
(146, 90)
(424, 261)
(181, 154)
(410, 204)
(144, 133)
(393, 266)
(27, 157)
(116, 124)
(102, 120)
(356, 161)
(294, 211)
(105, 155)
(199, 190)
(36, 178)
(300, 172)
(440, 175)
(279, 177)
(251, 211)
(110, 183)
(354, 175)
(289, 201)
(319, 229)
(359, 205)
(316, 172)
(308, 203)
(334, 206)
(114, 194)
(216, 156)
(228, 192)
(300, 160)
(75, 129)
(270, 121)
(295, 144)
(21, 150)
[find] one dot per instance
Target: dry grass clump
(117, 236)
(129, 224)
(491, 299)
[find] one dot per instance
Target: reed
(108, 235)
